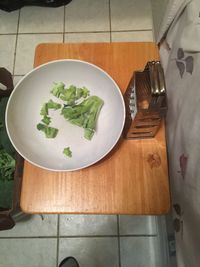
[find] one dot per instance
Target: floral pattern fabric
(182, 75)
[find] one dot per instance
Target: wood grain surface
(132, 178)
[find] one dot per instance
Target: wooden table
(132, 179)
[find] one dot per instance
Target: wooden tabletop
(132, 178)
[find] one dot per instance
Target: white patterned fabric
(180, 55)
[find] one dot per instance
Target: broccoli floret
(50, 132)
(46, 120)
(67, 152)
(58, 89)
(53, 105)
(44, 110)
(84, 114)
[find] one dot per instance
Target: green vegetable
(79, 93)
(49, 105)
(67, 152)
(79, 109)
(71, 94)
(50, 132)
(88, 133)
(85, 92)
(53, 105)
(41, 127)
(7, 166)
(44, 110)
(58, 89)
(46, 120)
(84, 114)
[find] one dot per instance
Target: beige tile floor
(96, 240)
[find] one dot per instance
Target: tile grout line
(83, 32)
(109, 6)
(58, 241)
(16, 41)
(103, 236)
(79, 236)
(139, 30)
(28, 237)
(119, 248)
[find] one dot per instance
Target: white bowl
(23, 114)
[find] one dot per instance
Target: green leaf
(7, 166)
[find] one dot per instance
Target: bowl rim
(42, 66)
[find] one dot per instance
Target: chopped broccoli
(84, 114)
(67, 152)
(49, 105)
(58, 89)
(53, 105)
(70, 94)
(88, 133)
(50, 132)
(82, 92)
(46, 120)
(85, 92)
(79, 93)
(44, 110)
(79, 109)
